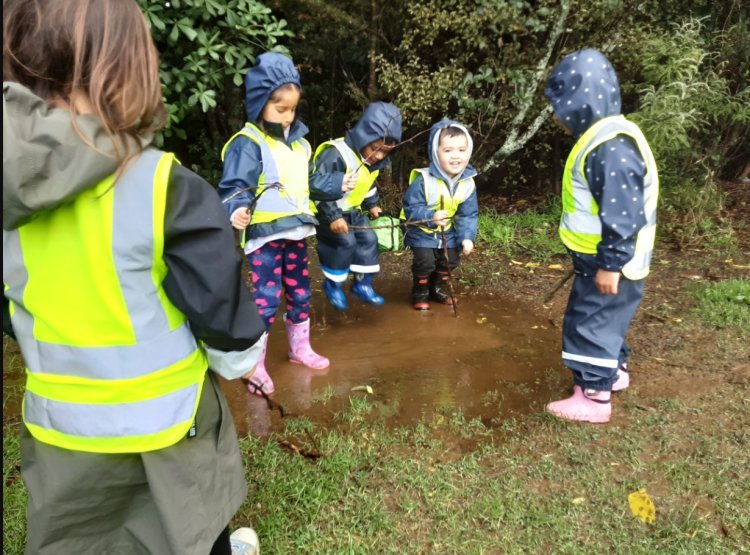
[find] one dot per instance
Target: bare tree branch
(512, 141)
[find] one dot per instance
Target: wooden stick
(563, 281)
(448, 263)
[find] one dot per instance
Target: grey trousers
(174, 501)
(595, 325)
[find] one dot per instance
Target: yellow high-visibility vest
(282, 164)
(436, 189)
(363, 189)
(111, 363)
(580, 225)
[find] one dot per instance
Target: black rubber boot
(420, 293)
(439, 291)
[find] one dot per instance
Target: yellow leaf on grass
(642, 506)
(555, 267)
(516, 262)
(531, 265)
(578, 500)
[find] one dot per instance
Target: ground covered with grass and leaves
(526, 483)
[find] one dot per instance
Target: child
(609, 196)
(443, 197)
(265, 187)
(123, 287)
(344, 177)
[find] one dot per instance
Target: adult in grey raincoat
(123, 288)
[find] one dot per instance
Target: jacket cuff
(232, 365)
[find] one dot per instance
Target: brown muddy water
(496, 359)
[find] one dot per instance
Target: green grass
(724, 304)
(529, 233)
(452, 485)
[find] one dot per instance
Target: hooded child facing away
(265, 190)
(123, 289)
(609, 196)
(443, 198)
(343, 184)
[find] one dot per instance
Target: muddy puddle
(492, 361)
(495, 360)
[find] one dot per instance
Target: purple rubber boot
(583, 406)
(300, 351)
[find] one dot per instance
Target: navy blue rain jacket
(583, 89)
(243, 163)
(415, 205)
(380, 120)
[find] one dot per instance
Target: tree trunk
(372, 84)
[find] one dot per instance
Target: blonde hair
(103, 49)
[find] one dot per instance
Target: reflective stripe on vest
(112, 366)
(282, 164)
(436, 189)
(363, 188)
(580, 225)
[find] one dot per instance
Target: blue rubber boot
(335, 294)
(362, 288)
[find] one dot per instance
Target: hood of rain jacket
(583, 89)
(380, 120)
(45, 162)
(432, 152)
(271, 70)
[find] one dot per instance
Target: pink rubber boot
(260, 380)
(589, 406)
(300, 351)
(623, 379)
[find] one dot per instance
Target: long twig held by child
(563, 280)
(447, 263)
(268, 186)
(272, 405)
(389, 226)
(391, 147)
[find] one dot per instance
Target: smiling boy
(443, 199)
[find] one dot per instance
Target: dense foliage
(683, 65)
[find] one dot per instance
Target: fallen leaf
(642, 506)
(741, 266)
(534, 327)
(555, 267)
(578, 500)
(516, 262)
(531, 265)
(481, 320)
(729, 261)
(366, 388)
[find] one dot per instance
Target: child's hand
(339, 226)
(440, 217)
(240, 218)
(607, 282)
(468, 247)
(349, 182)
(375, 212)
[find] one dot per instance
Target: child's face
(282, 107)
(453, 154)
(376, 151)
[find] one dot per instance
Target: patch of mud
(490, 361)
